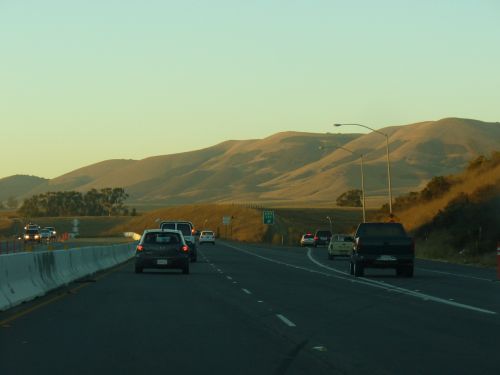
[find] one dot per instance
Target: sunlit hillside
(292, 167)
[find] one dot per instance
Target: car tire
(330, 256)
(359, 270)
(138, 269)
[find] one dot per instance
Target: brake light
(192, 231)
(140, 248)
(316, 238)
(185, 248)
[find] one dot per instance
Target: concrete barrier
(25, 276)
(4, 288)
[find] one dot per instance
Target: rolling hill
(291, 166)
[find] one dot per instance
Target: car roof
(158, 230)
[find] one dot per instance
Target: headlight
(26, 236)
(37, 236)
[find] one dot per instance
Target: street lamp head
(337, 124)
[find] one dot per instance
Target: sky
(82, 81)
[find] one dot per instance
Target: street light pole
(362, 181)
(388, 161)
(331, 226)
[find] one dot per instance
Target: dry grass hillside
(18, 185)
(293, 166)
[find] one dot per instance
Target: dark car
(322, 237)
(32, 235)
(188, 232)
(162, 249)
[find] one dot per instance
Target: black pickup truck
(382, 245)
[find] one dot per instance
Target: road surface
(259, 309)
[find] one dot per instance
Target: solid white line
(385, 285)
(361, 280)
(288, 322)
(246, 291)
(455, 274)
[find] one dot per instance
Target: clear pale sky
(83, 81)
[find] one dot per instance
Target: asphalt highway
(259, 309)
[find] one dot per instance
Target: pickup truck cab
(382, 245)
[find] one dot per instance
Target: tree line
(103, 202)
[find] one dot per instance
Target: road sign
(226, 220)
(268, 217)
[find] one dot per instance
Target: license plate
(386, 258)
(162, 262)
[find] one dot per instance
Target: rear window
(381, 230)
(168, 226)
(32, 231)
(323, 233)
(308, 236)
(207, 233)
(184, 228)
(162, 238)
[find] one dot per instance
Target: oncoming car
(32, 235)
(307, 240)
(340, 245)
(207, 236)
(162, 249)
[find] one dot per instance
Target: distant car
(307, 240)
(32, 235)
(340, 245)
(162, 249)
(53, 232)
(188, 232)
(322, 237)
(45, 235)
(207, 236)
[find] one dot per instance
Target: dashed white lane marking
(235, 282)
(368, 282)
(259, 301)
(285, 320)
(246, 291)
(229, 277)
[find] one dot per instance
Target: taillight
(316, 238)
(185, 248)
(140, 248)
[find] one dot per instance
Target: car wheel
(138, 269)
(358, 270)
(330, 256)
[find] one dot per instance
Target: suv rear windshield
(32, 231)
(162, 238)
(308, 236)
(323, 233)
(206, 233)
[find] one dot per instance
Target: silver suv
(187, 230)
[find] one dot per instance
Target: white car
(307, 240)
(207, 236)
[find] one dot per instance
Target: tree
(350, 198)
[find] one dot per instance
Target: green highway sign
(268, 217)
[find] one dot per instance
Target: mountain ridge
(292, 165)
